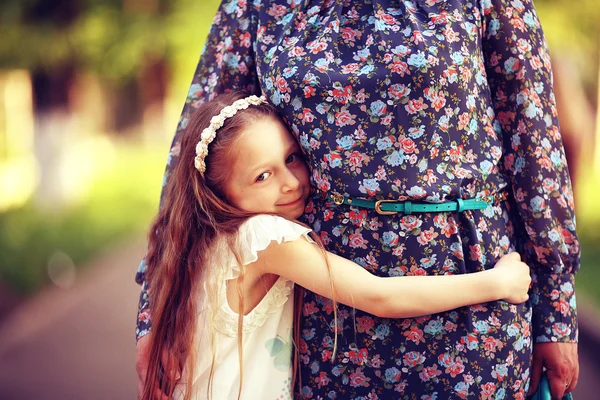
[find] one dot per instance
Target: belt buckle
(380, 211)
(337, 198)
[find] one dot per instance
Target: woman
(423, 101)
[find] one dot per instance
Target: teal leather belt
(389, 207)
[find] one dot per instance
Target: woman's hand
(142, 359)
(513, 277)
(562, 367)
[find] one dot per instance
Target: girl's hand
(513, 278)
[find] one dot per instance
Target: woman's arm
(519, 74)
(518, 71)
(392, 297)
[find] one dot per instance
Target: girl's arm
(392, 297)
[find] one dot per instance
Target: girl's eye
(291, 158)
(263, 176)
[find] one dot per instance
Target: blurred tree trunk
(153, 81)
(52, 86)
(53, 125)
(140, 99)
(125, 112)
(597, 130)
(153, 77)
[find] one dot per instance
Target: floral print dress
(422, 100)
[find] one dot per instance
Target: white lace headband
(216, 122)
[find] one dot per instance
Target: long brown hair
(194, 213)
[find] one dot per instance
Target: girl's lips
(292, 203)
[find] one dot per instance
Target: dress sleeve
(256, 235)
(520, 78)
(227, 62)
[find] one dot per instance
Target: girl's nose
(290, 182)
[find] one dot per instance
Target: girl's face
(268, 173)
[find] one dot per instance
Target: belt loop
(407, 207)
(461, 204)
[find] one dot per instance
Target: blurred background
(90, 94)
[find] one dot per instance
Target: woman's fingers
(170, 365)
(537, 368)
(142, 357)
(574, 380)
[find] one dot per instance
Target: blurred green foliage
(569, 24)
(110, 38)
(573, 32)
(122, 202)
(587, 279)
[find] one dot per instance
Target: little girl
(226, 250)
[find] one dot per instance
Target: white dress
(267, 329)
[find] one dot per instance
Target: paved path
(78, 344)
